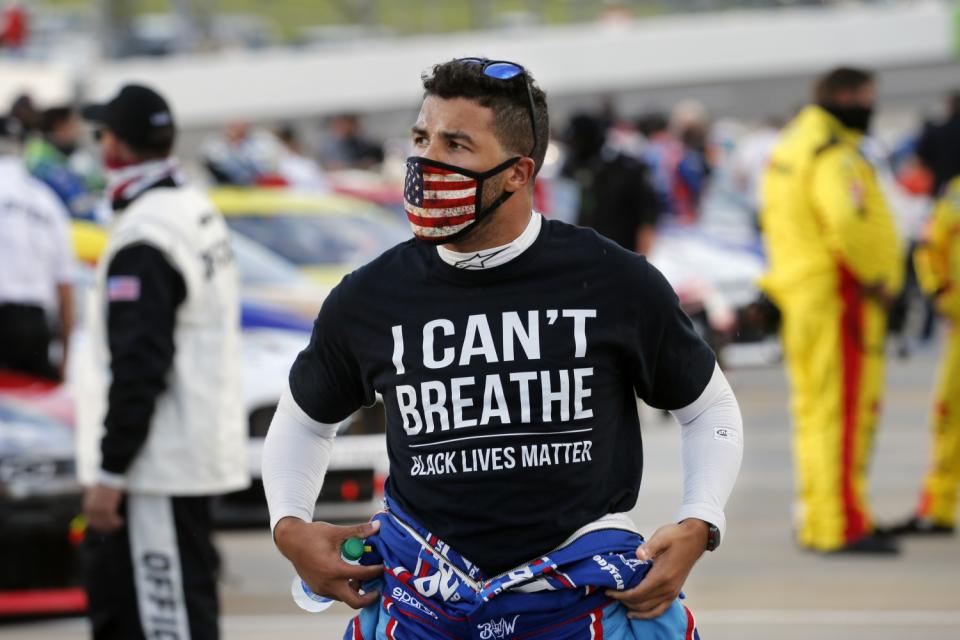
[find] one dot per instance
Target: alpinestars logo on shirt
(478, 260)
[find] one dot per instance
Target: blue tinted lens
(472, 60)
(503, 70)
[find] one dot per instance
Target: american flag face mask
(442, 200)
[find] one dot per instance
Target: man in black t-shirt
(617, 198)
(509, 352)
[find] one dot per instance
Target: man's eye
(419, 140)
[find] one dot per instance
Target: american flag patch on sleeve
(123, 288)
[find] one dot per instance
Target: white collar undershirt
(494, 256)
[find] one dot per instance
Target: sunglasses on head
(506, 70)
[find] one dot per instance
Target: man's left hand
(674, 548)
(101, 507)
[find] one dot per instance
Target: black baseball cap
(138, 115)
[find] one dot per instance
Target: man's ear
(520, 175)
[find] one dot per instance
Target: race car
(40, 500)
(353, 486)
(325, 236)
(279, 305)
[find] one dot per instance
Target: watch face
(713, 538)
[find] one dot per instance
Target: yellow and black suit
(834, 259)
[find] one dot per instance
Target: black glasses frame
(531, 108)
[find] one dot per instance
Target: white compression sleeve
(296, 454)
(712, 449)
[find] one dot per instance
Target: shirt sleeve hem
(706, 513)
(289, 406)
(714, 387)
(111, 479)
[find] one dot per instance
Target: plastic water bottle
(350, 552)
(307, 599)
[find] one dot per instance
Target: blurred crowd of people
(55, 175)
(246, 155)
(626, 176)
(55, 148)
(631, 175)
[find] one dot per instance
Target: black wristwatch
(713, 537)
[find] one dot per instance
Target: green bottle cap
(352, 549)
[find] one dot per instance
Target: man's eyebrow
(457, 135)
(460, 135)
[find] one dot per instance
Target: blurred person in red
(37, 269)
(835, 266)
(160, 425)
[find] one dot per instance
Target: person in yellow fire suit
(937, 262)
(835, 263)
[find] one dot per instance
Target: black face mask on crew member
(443, 201)
(856, 117)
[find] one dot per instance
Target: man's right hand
(314, 550)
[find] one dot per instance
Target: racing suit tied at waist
(429, 590)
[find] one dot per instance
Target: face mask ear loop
(482, 178)
(495, 204)
(503, 197)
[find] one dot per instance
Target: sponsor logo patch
(161, 118)
(497, 629)
(402, 596)
(612, 570)
(726, 434)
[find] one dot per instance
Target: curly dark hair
(507, 99)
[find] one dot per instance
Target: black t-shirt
(509, 392)
(616, 197)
